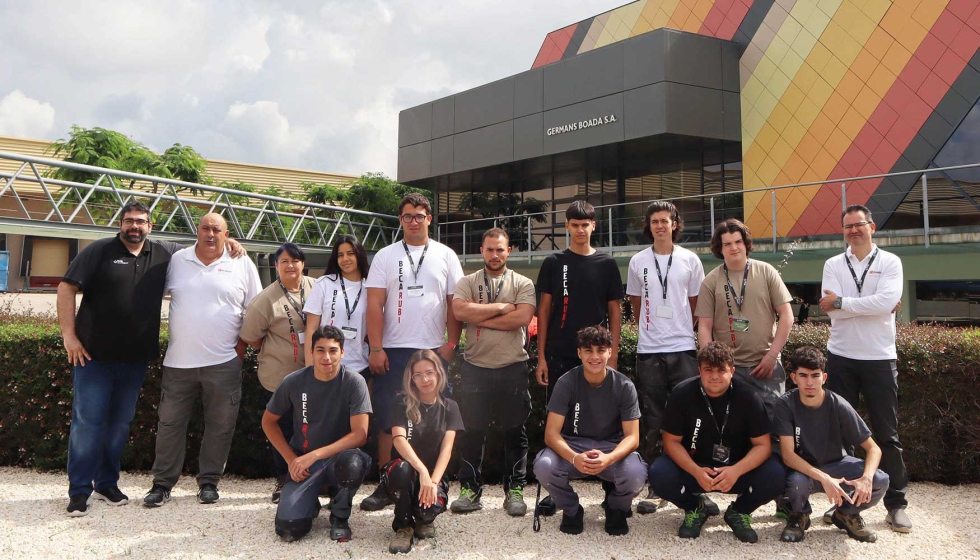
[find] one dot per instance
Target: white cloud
(262, 129)
(25, 117)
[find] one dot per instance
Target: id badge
(721, 453)
(740, 325)
(414, 291)
(350, 333)
(665, 312)
(302, 337)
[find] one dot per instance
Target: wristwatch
(837, 302)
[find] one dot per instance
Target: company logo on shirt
(410, 426)
(575, 420)
(333, 306)
(401, 287)
(306, 425)
(646, 296)
(479, 290)
(564, 304)
(119, 261)
(797, 438)
(694, 438)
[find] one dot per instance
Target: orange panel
(823, 164)
(850, 86)
(864, 65)
(808, 147)
(795, 168)
(866, 102)
(837, 144)
(851, 124)
(821, 128)
(879, 43)
(835, 107)
(881, 81)
(896, 58)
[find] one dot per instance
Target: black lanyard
(663, 280)
(415, 271)
(491, 295)
(302, 298)
(860, 283)
(728, 406)
(343, 288)
(745, 277)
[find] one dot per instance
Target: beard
(135, 236)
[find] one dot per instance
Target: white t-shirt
(327, 300)
(415, 310)
(207, 305)
(665, 325)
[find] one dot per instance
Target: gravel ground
(33, 524)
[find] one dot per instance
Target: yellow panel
(744, 109)
(819, 56)
(768, 171)
(777, 50)
(828, 7)
(837, 144)
(780, 152)
(881, 80)
(764, 69)
(753, 125)
(791, 63)
(866, 102)
(754, 157)
(766, 103)
(834, 71)
(804, 43)
(766, 138)
(779, 118)
(789, 30)
(778, 83)
(807, 112)
(659, 20)
(823, 164)
(753, 88)
(896, 58)
(851, 124)
(793, 97)
(862, 28)
(802, 10)
(642, 26)
(622, 33)
(875, 9)
(805, 78)
(850, 86)
(819, 92)
(693, 25)
(794, 132)
(816, 23)
(833, 36)
(847, 50)
(754, 199)
(605, 38)
(879, 43)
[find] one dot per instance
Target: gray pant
(554, 473)
(221, 388)
(878, 381)
(341, 474)
(769, 389)
(656, 376)
(799, 486)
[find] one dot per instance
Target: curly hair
(593, 336)
(809, 357)
(731, 225)
(716, 354)
(675, 216)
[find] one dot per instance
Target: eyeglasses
(417, 218)
(855, 224)
(129, 222)
(431, 374)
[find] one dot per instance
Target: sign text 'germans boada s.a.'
(581, 125)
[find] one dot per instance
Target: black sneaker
(207, 494)
(741, 524)
(650, 504)
(277, 491)
(111, 496)
(796, 526)
(78, 505)
(616, 524)
(694, 520)
(339, 529)
(710, 507)
(157, 496)
(573, 524)
(377, 501)
(605, 506)
(547, 507)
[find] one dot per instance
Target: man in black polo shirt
(109, 343)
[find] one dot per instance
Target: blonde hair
(411, 392)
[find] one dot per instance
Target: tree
(375, 192)
(487, 206)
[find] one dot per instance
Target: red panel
(737, 12)
(827, 199)
(868, 139)
(974, 20)
(714, 20)
(932, 90)
(946, 27)
(884, 157)
(808, 223)
(851, 163)
(901, 135)
(966, 43)
(544, 55)
(563, 36)
(914, 73)
(882, 119)
(961, 8)
(930, 50)
(948, 68)
(727, 29)
(723, 5)
(899, 96)
(916, 112)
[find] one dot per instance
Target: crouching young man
(814, 427)
(716, 439)
(329, 406)
(593, 429)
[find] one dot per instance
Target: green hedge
(938, 375)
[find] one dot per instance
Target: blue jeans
(103, 406)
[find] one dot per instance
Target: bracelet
(376, 350)
(573, 459)
(401, 436)
(773, 357)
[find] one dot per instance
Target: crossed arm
(498, 316)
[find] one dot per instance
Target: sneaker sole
(79, 512)
(466, 509)
(99, 496)
(897, 528)
(208, 502)
(155, 505)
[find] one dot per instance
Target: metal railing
(619, 226)
(176, 207)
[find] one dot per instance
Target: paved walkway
(33, 525)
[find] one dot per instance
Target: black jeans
(497, 396)
(401, 482)
(656, 376)
(878, 381)
(286, 425)
(755, 488)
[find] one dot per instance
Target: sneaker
(694, 520)
(710, 507)
(796, 527)
(547, 507)
(854, 526)
(514, 502)
(898, 520)
(401, 541)
(425, 530)
(741, 524)
(650, 504)
(605, 501)
(339, 529)
(207, 494)
(573, 524)
(468, 501)
(616, 524)
(78, 505)
(377, 501)
(111, 496)
(157, 496)
(277, 491)
(827, 515)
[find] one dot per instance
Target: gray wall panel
(442, 155)
(643, 59)
(443, 116)
(729, 67)
(588, 136)
(645, 111)
(528, 93)
(732, 106)
(415, 125)
(529, 136)
(695, 111)
(415, 162)
(594, 74)
(485, 146)
(693, 60)
(489, 104)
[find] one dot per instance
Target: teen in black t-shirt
(423, 426)
(716, 439)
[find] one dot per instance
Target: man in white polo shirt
(209, 293)
(862, 288)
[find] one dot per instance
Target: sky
(309, 85)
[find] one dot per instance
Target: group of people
(364, 350)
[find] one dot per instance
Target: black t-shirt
(581, 288)
(819, 434)
(119, 317)
(321, 410)
(426, 436)
(687, 416)
(594, 412)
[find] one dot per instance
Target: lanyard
(302, 297)
(415, 271)
(745, 277)
(860, 283)
(663, 279)
(728, 406)
(491, 295)
(293, 337)
(343, 288)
